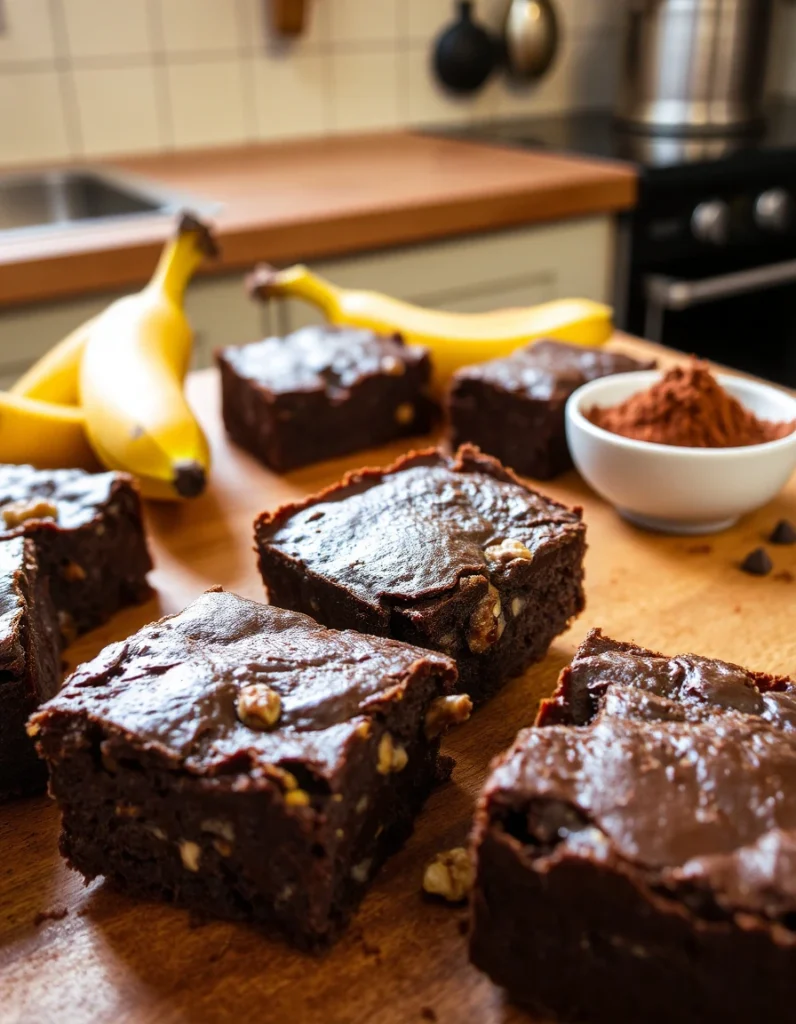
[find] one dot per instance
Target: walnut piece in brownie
(636, 856)
(245, 761)
(454, 554)
(89, 537)
(513, 408)
(322, 392)
(29, 663)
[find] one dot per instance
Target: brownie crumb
(783, 533)
(757, 563)
(785, 576)
(428, 1013)
(55, 914)
(699, 549)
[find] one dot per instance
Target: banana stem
(295, 282)
(177, 265)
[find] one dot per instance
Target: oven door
(745, 318)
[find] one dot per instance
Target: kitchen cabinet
(519, 267)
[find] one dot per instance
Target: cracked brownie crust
(452, 553)
(513, 408)
(641, 846)
(246, 761)
(88, 534)
(29, 663)
(322, 392)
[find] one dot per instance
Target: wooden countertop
(97, 956)
(317, 198)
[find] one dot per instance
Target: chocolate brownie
(247, 762)
(322, 392)
(88, 534)
(29, 663)
(513, 408)
(451, 553)
(636, 856)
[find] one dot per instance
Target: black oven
(708, 266)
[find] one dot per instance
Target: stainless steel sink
(58, 200)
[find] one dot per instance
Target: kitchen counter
(319, 198)
(90, 954)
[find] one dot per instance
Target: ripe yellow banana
(131, 376)
(43, 434)
(454, 339)
(55, 377)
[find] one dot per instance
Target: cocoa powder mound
(688, 407)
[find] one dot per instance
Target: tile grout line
(160, 72)
(248, 78)
(70, 105)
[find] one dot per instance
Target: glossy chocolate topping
(77, 496)
(175, 684)
(12, 602)
(414, 530)
(548, 370)
(327, 359)
(686, 770)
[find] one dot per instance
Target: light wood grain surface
(109, 959)
(309, 199)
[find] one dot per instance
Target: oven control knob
(710, 222)
(774, 210)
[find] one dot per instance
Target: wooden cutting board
(72, 954)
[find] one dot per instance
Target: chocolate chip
(784, 533)
(757, 563)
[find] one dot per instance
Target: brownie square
(89, 537)
(322, 392)
(636, 856)
(452, 553)
(247, 762)
(29, 663)
(513, 408)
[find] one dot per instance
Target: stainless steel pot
(695, 66)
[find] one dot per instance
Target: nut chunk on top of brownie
(513, 407)
(451, 553)
(246, 761)
(29, 663)
(89, 538)
(322, 392)
(636, 857)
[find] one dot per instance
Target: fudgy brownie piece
(451, 553)
(245, 761)
(513, 408)
(636, 856)
(29, 663)
(89, 537)
(322, 392)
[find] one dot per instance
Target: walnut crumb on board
(450, 875)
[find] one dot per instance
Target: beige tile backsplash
(102, 77)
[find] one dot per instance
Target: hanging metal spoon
(531, 36)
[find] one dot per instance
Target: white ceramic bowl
(680, 490)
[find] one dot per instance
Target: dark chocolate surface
(414, 532)
(174, 684)
(685, 770)
(325, 359)
(12, 604)
(77, 495)
(551, 370)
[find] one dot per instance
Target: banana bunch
(453, 339)
(113, 389)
